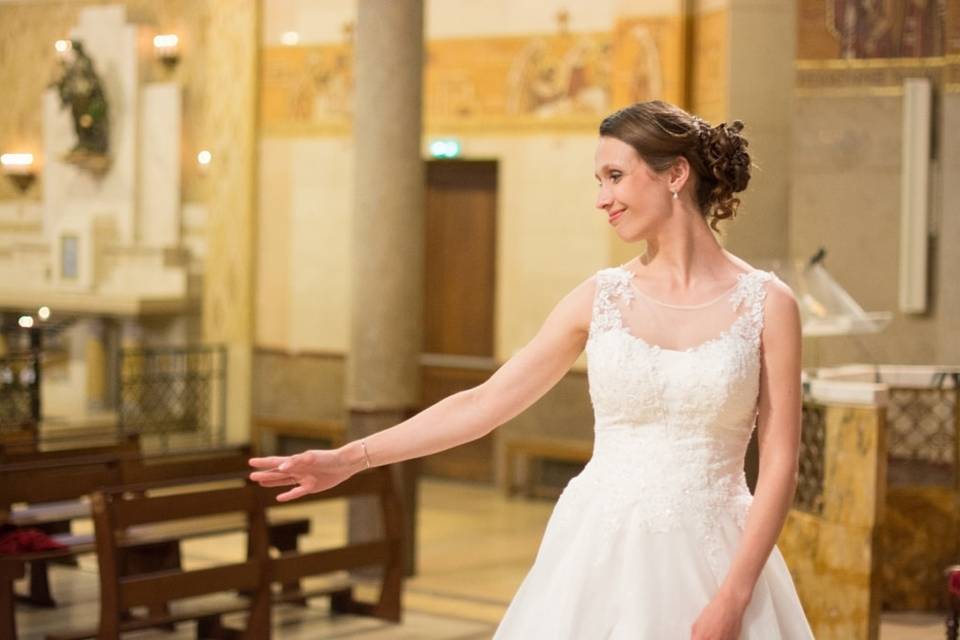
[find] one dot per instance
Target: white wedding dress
(641, 539)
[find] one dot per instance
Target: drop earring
(675, 195)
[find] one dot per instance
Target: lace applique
(671, 426)
(612, 284)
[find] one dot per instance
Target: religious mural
(872, 45)
(538, 81)
(887, 28)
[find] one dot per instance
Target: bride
(689, 349)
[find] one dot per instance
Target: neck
(684, 251)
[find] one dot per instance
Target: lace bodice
(672, 424)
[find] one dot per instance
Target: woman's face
(635, 198)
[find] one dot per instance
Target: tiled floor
(474, 548)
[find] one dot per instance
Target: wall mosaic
(867, 48)
(545, 81)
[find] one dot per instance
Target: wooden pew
(386, 552)
(118, 515)
(54, 487)
(58, 484)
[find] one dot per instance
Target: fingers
(272, 478)
(293, 494)
(269, 462)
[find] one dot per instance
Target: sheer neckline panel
(632, 280)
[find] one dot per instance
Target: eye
(615, 176)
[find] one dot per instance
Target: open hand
(311, 471)
(720, 620)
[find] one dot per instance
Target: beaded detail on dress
(672, 426)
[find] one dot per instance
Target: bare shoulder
(576, 308)
(780, 298)
(781, 313)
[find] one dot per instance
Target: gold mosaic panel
(709, 83)
(833, 556)
(921, 538)
(850, 47)
(563, 81)
(853, 29)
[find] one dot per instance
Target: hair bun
(724, 154)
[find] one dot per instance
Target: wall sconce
(19, 168)
(166, 47)
(290, 38)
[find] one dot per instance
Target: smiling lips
(613, 217)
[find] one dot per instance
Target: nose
(604, 197)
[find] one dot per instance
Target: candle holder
(19, 169)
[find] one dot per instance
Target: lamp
(19, 168)
(166, 47)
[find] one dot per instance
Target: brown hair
(661, 132)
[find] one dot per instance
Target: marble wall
(834, 556)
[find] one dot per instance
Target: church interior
(254, 227)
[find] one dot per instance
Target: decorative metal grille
(19, 392)
(922, 436)
(809, 495)
(174, 390)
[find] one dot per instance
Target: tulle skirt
(592, 580)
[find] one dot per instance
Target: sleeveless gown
(640, 541)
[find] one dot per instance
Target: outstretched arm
(457, 419)
(778, 432)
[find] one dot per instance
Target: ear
(678, 174)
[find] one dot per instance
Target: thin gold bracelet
(366, 458)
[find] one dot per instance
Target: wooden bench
(33, 477)
(118, 514)
(528, 448)
(54, 483)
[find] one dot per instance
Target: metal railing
(922, 426)
(809, 494)
(19, 391)
(173, 391)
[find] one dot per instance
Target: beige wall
(846, 197)
(550, 237)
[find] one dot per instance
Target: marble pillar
(760, 92)
(835, 556)
(232, 39)
(383, 374)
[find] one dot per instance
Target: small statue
(80, 88)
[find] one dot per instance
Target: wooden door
(459, 298)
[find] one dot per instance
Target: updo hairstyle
(661, 133)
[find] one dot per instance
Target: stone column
(97, 358)
(761, 46)
(231, 66)
(383, 372)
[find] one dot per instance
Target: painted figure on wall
(887, 28)
(81, 89)
(543, 83)
(647, 72)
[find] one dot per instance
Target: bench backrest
(386, 552)
(57, 480)
(56, 450)
(70, 474)
(116, 511)
(186, 465)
